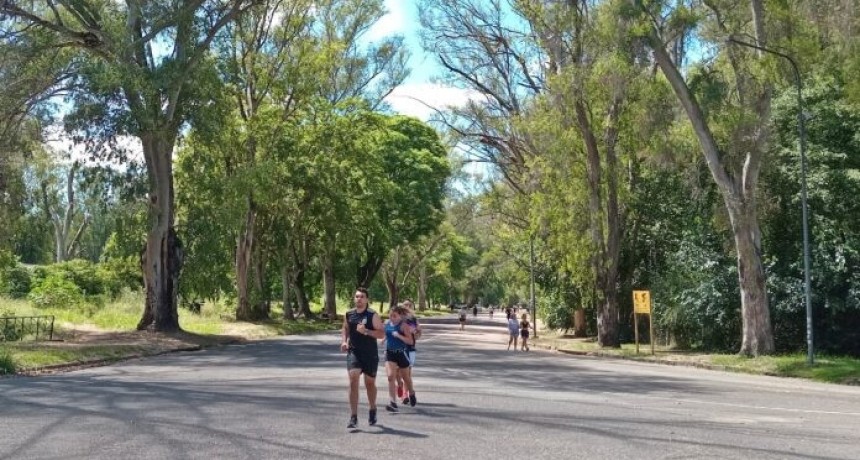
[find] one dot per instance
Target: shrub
(55, 291)
(7, 330)
(15, 282)
(14, 278)
(121, 272)
(7, 364)
(81, 273)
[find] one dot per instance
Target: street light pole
(801, 128)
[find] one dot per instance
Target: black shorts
(462, 319)
(367, 362)
(524, 333)
(398, 356)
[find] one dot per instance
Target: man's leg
(370, 386)
(353, 390)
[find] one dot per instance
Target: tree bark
(367, 271)
(244, 252)
(286, 285)
(422, 288)
(163, 256)
(739, 198)
(301, 294)
(757, 337)
(330, 291)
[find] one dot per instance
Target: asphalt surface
(286, 398)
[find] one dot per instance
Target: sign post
(642, 305)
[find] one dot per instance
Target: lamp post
(801, 128)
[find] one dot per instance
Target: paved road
(286, 398)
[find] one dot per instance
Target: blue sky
(419, 89)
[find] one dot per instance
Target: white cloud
(394, 22)
(422, 100)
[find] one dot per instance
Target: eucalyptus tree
(61, 205)
(727, 100)
(265, 64)
(141, 57)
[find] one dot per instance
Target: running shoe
(405, 401)
(413, 400)
(392, 407)
(353, 422)
(371, 420)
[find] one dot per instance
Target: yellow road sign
(642, 302)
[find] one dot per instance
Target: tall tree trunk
(286, 285)
(422, 288)
(739, 198)
(262, 306)
(163, 256)
(757, 338)
(367, 271)
(301, 294)
(393, 292)
(244, 253)
(330, 291)
(604, 273)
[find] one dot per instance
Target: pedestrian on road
(396, 340)
(362, 327)
(462, 318)
(413, 328)
(513, 331)
(524, 332)
(475, 311)
(491, 312)
(507, 313)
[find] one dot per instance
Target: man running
(361, 328)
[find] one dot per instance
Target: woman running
(524, 332)
(513, 331)
(397, 338)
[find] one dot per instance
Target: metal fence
(14, 328)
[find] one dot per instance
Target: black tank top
(360, 343)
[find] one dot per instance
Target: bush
(55, 291)
(82, 274)
(7, 364)
(7, 331)
(15, 282)
(14, 278)
(121, 272)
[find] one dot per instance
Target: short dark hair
(362, 290)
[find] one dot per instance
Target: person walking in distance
(513, 331)
(362, 327)
(524, 332)
(397, 338)
(413, 328)
(462, 318)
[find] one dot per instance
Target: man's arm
(378, 331)
(344, 331)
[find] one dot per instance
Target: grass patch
(829, 369)
(841, 370)
(33, 356)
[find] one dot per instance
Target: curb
(78, 365)
(598, 354)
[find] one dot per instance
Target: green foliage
(14, 278)
(83, 274)
(834, 163)
(7, 362)
(120, 273)
(15, 282)
(56, 291)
